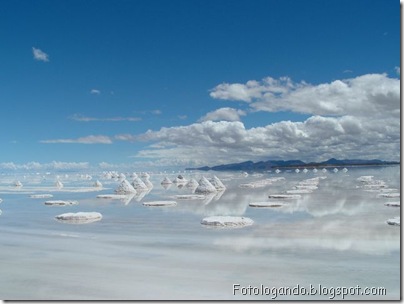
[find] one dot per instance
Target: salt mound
(388, 190)
(306, 187)
(299, 191)
(277, 171)
(189, 197)
(365, 178)
(335, 170)
(217, 183)
(393, 204)
(227, 221)
(315, 170)
(374, 186)
(345, 170)
(324, 170)
(285, 196)
(61, 203)
(17, 184)
(1, 200)
(160, 203)
(166, 181)
(179, 180)
(192, 183)
(394, 221)
(59, 184)
(133, 175)
(205, 186)
(125, 188)
(41, 196)
(389, 194)
(305, 170)
(112, 196)
(97, 184)
(297, 170)
(267, 204)
(138, 184)
(248, 185)
(148, 183)
(79, 217)
(145, 175)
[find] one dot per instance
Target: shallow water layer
(336, 236)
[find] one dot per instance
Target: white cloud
(317, 138)
(55, 165)
(156, 112)
(82, 118)
(228, 114)
(370, 94)
(397, 69)
(92, 139)
(125, 137)
(95, 92)
(40, 55)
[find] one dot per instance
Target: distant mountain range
(274, 164)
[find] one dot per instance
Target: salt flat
(336, 235)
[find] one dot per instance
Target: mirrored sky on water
(335, 236)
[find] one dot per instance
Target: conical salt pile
(205, 186)
(145, 175)
(217, 183)
(180, 180)
(17, 184)
(166, 180)
(148, 183)
(125, 188)
(97, 184)
(192, 183)
(59, 184)
(138, 184)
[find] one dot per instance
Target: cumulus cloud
(83, 118)
(92, 139)
(228, 114)
(351, 118)
(365, 95)
(95, 92)
(40, 55)
(55, 165)
(317, 138)
(253, 90)
(397, 69)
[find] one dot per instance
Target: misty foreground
(156, 245)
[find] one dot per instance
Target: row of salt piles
(204, 185)
(315, 170)
(371, 185)
(138, 184)
(303, 187)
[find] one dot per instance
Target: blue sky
(159, 84)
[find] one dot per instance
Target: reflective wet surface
(335, 236)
